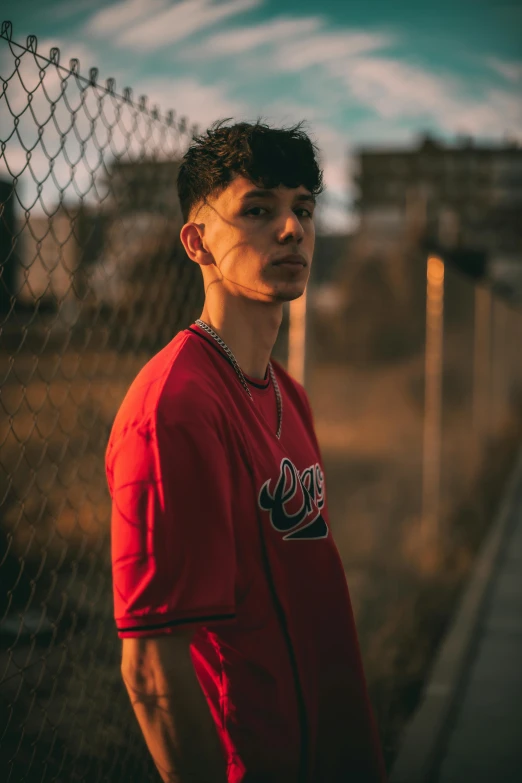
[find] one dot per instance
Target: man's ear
(191, 236)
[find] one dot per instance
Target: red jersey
(217, 522)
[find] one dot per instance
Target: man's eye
(255, 209)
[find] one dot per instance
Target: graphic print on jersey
(296, 507)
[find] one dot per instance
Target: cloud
(396, 90)
(512, 71)
(348, 73)
(371, 131)
(296, 43)
(123, 14)
(504, 113)
(200, 103)
(169, 25)
(392, 88)
(286, 111)
(327, 47)
(244, 39)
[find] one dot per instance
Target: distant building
(142, 218)
(465, 194)
(330, 253)
(148, 186)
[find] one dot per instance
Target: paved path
(483, 742)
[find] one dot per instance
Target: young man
(240, 653)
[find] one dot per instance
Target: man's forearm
(177, 724)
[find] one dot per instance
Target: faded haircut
(267, 156)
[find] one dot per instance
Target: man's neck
(249, 328)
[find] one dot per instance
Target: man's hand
(172, 710)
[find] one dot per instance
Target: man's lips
(294, 259)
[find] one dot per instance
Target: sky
(360, 73)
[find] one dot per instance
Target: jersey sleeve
(172, 539)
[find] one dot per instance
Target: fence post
(481, 369)
(297, 339)
(499, 364)
(432, 400)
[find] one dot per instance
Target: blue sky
(374, 72)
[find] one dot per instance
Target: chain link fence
(94, 280)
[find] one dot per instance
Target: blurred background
(407, 339)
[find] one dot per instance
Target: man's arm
(172, 710)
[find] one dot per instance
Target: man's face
(247, 230)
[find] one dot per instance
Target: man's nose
(291, 228)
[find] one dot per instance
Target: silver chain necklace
(241, 377)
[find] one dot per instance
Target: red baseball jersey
(218, 523)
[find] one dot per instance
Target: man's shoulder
(171, 385)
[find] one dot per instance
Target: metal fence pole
(481, 367)
(499, 362)
(432, 399)
(297, 339)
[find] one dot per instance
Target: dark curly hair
(268, 157)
